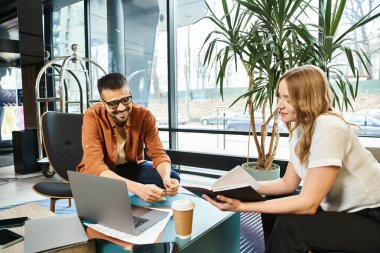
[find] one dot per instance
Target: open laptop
(106, 202)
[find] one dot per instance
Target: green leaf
(327, 18)
(364, 62)
(356, 86)
(328, 46)
(364, 20)
(338, 12)
(350, 59)
(226, 13)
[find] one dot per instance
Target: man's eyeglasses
(115, 103)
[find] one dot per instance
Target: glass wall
(130, 37)
(133, 41)
(68, 28)
(200, 105)
(11, 104)
(199, 101)
(9, 29)
(228, 144)
(366, 109)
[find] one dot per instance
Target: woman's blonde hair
(311, 96)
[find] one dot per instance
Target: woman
(338, 207)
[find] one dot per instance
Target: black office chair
(62, 138)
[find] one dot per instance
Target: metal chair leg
(69, 202)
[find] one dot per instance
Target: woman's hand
(227, 204)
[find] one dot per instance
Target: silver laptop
(106, 201)
(53, 233)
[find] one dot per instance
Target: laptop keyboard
(139, 221)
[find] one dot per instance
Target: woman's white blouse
(334, 143)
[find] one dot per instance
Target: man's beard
(121, 121)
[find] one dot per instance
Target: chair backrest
(375, 152)
(62, 137)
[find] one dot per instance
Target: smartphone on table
(162, 247)
(8, 238)
(13, 222)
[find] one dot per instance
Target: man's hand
(171, 186)
(150, 192)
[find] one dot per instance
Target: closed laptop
(54, 232)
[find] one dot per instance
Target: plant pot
(262, 175)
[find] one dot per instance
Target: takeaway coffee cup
(183, 217)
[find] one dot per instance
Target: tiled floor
(16, 188)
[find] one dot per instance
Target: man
(113, 136)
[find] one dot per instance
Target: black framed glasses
(115, 103)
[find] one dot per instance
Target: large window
(137, 38)
(9, 29)
(67, 28)
(11, 104)
(199, 100)
(366, 108)
(134, 41)
(227, 144)
(130, 37)
(200, 105)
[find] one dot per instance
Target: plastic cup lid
(183, 205)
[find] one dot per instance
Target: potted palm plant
(268, 38)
